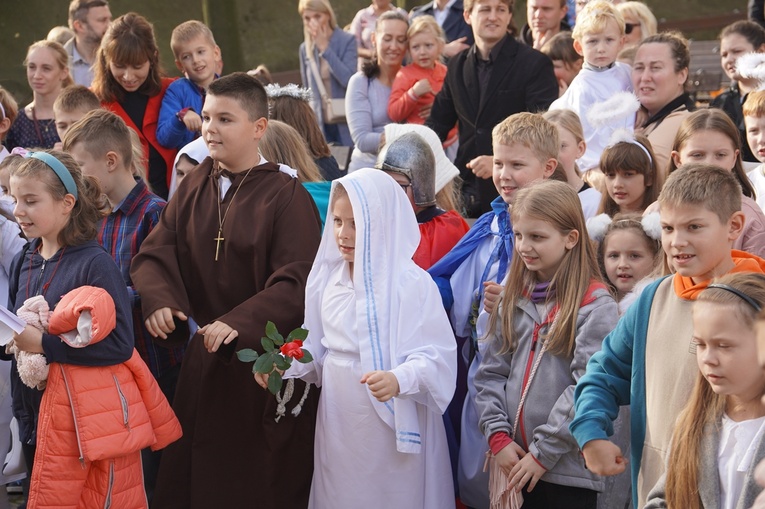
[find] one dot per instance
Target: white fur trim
(598, 226)
(619, 106)
(752, 66)
(652, 225)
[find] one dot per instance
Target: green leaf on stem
(265, 363)
(298, 333)
(268, 344)
(283, 362)
(247, 355)
(306, 358)
(274, 382)
(271, 331)
(278, 339)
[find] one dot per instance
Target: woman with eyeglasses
(639, 22)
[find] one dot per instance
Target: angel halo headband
(624, 136)
(58, 168)
(757, 307)
(2, 111)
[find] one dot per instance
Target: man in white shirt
(89, 20)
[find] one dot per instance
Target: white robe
(389, 316)
(589, 88)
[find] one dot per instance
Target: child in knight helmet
(598, 37)
(60, 207)
(645, 362)
(718, 439)
(554, 313)
(375, 317)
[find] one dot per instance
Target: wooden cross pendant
(218, 240)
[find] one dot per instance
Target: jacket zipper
(110, 486)
(123, 403)
(40, 276)
(74, 416)
(526, 374)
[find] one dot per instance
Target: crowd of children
(590, 342)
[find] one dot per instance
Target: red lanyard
(44, 287)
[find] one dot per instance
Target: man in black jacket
(495, 78)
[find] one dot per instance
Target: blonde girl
(553, 316)
(282, 144)
(709, 136)
(572, 147)
(47, 65)
(327, 61)
(718, 439)
(632, 181)
(417, 84)
(8, 112)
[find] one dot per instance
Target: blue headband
(59, 169)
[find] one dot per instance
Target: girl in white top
(572, 147)
(384, 354)
(718, 439)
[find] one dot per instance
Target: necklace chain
(219, 238)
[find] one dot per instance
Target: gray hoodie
(549, 405)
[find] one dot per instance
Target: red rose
(293, 349)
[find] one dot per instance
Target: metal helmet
(410, 155)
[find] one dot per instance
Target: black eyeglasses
(629, 27)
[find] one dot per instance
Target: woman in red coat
(128, 81)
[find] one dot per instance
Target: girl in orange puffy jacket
(101, 405)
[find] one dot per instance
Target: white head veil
(402, 325)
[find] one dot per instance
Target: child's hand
(216, 334)
(491, 295)
(192, 121)
(262, 379)
(481, 166)
(603, 457)
(424, 112)
(509, 456)
(58, 146)
(29, 340)
(527, 470)
(160, 323)
(422, 87)
(382, 384)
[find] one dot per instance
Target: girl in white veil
(384, 354)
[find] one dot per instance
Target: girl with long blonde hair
(718, 439)
(553, 315)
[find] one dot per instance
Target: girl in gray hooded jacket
(553, 316)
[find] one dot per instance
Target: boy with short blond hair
(754, 121)
(102, 145)
(648, 361)
(233, 249)
(525, 147)
(197, 57)
(598, 37)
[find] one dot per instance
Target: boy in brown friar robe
(233, 249)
